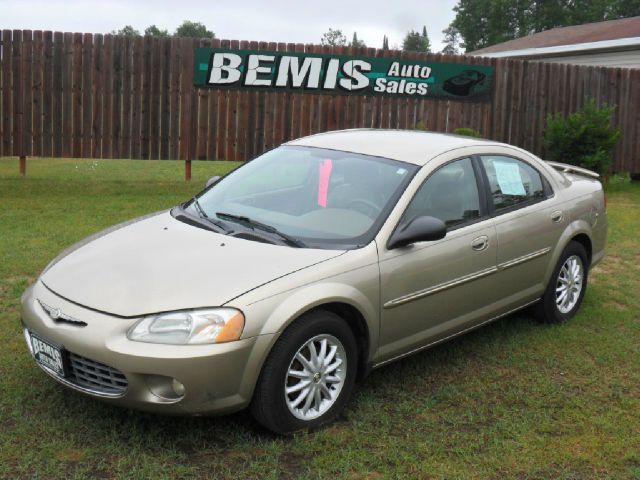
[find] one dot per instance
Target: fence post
(187, 170)
(23, 166)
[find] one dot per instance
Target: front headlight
(214, 325)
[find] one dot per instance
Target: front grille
(96, 376)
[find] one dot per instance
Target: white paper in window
(509, 179)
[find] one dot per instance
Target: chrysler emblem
(57, 316)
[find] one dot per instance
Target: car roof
(412, 146)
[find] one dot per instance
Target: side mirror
(212, 181)
(420, 229)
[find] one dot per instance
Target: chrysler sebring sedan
(282, 283)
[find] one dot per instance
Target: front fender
(273, 315)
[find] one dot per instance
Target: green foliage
(194, 30)
(451, 40)
(416, 41)
(127, 31)
(153, 31)
(467, 132)
(357, 43)
(420, 126)
(487, 22)
(585, 138)
(333, 38)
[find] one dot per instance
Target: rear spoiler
(564, 167)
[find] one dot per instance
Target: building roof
(412, 146)
(576, 34)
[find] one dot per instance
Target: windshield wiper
(202, 214)
(253, 224)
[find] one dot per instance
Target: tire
(570, 276)
(332, 379)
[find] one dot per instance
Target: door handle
(556, 216)
(480, 243)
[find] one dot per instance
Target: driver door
(430, 290)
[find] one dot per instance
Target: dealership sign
(340, 74)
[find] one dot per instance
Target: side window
(450, 194)
(513, 183)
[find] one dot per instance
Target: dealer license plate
(48, 355)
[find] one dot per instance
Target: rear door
(528, 224)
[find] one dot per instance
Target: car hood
(159, 264)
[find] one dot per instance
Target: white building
(614, 43)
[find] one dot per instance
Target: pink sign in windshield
(323, 181)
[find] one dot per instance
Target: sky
(270, 20)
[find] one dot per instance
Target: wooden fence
(105, 96)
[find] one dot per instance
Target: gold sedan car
(283, 282)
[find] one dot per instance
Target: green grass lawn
(512, 400)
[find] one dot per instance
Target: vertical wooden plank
(58, 86)
(267, 107)
(97, 95)
(203, 113)
(193, 118)
(147, 74)
(232, 117)
(251, 117)
(87, 94)
(221, 133)
(635, 136)
(262, 115)
(136, 97)
(36, 88)
(26, 74)
(278, 132)
(174, 129)
(47, 94)
(118, 41)
(243, 119)
(154, 105)
(325, 118)
(67, 100)
(186, 86)
(17, 99)
(630, 126)
(107, 82)
(368, 110)
(165, 89)
(288, 106)
(127, 113)
(7, 91)
(76, 96)
(212, 112)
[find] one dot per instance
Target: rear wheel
(309, 374)
(566, 289)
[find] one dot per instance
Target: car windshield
(310, 196)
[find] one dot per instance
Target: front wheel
(309, 374)
(567, 286)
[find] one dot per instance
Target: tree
(385, 43)
(153, 31)
(334, 38)
(193, 29)
(416, 41)
(483, 23)
(356, 43)
(451, 40)
(127, 30)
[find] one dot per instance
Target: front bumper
(216, 378)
